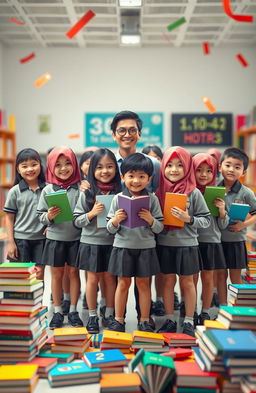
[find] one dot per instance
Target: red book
(44, 364)
(190, 374)
(179, 338)
(176, 353)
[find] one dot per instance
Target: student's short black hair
(154, 148)
(137, 162)
(126, 115)
(25, 155)
(235, 152)
(84, 157)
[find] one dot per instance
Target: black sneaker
(65, 307)
(106, 320)
(85, 305)
(93, 325)
(57, 320)
(145, 327)
(195, 317)
(159, 308)
(74, 319)
(182, 309)
(188, 329)
(115, 325)
(152, 308)
(215, 300)
(176, 301)
(168, 327)
(204, 316)
(102, 311)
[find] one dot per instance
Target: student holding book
(134, 253)
(24, 231)
(210, 238)
(234, 163)
(178, 250)
(62, 239)
(96, 243)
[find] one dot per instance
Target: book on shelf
(174, 200)
(60, 199)
(111, 357)
(210, 195)
(132, 206)
(238, 211)
(111, 383)
(102, 217)
(69, 333)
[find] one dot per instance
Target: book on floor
(174, 200)
(210, 195)
(243, 314)
(243, 288)
(110, 336)
(111, 357)
(102, 217)
(190, 374)
(37, 284)
(62, 357)
(60, 199)
(132, 207)
(238, 211)
(17, 375)
(179, 339)
(73, 374)
(17, 267)
(20, 296)
(111, 383)
(69, 333)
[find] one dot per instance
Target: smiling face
(29, 170)
(174, 170)
(136, 181)
(130, 138)
(232, 169)
(63, 168)
(204, 174)
(85, 166)
(105, 170)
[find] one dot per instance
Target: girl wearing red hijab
(210, 238)
(178, 250)
(62, 239)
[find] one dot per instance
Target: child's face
(63, 168)
(153, 154)
(204, 174)
(105, 170)
(232, 169)
(85, 166)
(174, 170)
(29, 170)
(136, 181)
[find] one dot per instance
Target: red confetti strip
(242, 60)
(16, 21)
(206, 48)
(80, 24)
(28, 58)
(74, 136)
(238, 18)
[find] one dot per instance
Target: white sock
(206, 310)
(58, 309)
(159, 299)
(215, 290)
(109, 311)
(72, 308)
(92, 313)
(170, 316)
(66, 296)
(189, 320)
(102, 302)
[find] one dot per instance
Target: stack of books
(96, 340)
(250, 275)
(179, 340)
(116, 340)
(17, 378)
(76, 373)
(243, 295)
(129, 383)
(22, 317)
(69, 340)
(153, 342)
(110, 361)
(61, 356)
(44, 365)
(248, 384)
(237, 317)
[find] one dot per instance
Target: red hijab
(185, 185)
(51, 162)
(201, 158)
(216, 153)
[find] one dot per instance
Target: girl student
(178, 250)
(62, 239)
(96, 242)
(134, 253)
(24, 231)
(210, 238)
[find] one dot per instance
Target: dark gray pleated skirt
(57, 253)
(235, 254)
(93, 257)
(212, 256)
(183, 261)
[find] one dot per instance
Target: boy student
(233, 165)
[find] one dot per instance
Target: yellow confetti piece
(209, 105)
(74, 136)
(42, 80)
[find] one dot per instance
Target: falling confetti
(206, 48)
(16, 21)
(42, 80)
(242, 60)
(175, 24)
(238, 18)
(209, 105)
(80, 24)
(74, 136)
(28, 58)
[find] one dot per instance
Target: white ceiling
(47, 21)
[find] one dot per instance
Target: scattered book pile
(18, 378)
(242, 295)
(116, 340)
(22, 316)
(157, 372)
(96, 340)
(179, 340)
(111, 383)
(110, 361)
(153, 342)
(250, 276)
(61, 356)
(76, 373)
(237, 317)
(70, 340)
(44, 365)
(248, 384)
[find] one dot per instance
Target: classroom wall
(1, 77)
(88, 80)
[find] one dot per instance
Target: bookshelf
(246, 139)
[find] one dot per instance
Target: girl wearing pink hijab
(178, 250)
(210, 238)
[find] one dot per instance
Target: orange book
(174, 200)
(110, 336)
(112, 382)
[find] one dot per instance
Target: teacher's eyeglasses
(123, 131)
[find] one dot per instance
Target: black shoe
(85, 305)
(93, 325)
(168, 327)
(176, 301)
(182, 309)
(204, 316)
(152, 323)
(152, 308)
(74, 319)
(106, 320)
(195, 318)
(57, 320)
(215, 300)
(115, 325)
(159, 308)
(188, 329)
(102, 311)
(145, 327)
(65, 307)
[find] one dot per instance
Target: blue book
(238, 211)
(72, 371)
(242, 288)
(111, 357)
(102, 217)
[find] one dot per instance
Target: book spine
(15, 337)
(18, 295)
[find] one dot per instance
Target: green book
(210, 194)
(159, 370)
(60, 199)
(17, 267)
(245, 314)
(62, 357)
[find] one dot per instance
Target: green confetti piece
(175, 24)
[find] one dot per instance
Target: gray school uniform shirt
(22, 202)
(64, 231)
(187, 235)
(237, 194)
(140, 237)
(212, 234)
(90, 233)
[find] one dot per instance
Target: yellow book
(21, 374)
(69, 333)
(129, 356)
(147, 336)
(214, 325)
(110, 336)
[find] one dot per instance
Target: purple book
(132, 206)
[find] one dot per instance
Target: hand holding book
(181, 214)
(220, 204)
(53, 212)
(120, 215)
(146, 216)
(96, 210)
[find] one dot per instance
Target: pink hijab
(216, 153)
(51, 162)
(201, 158)
(183, 186)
